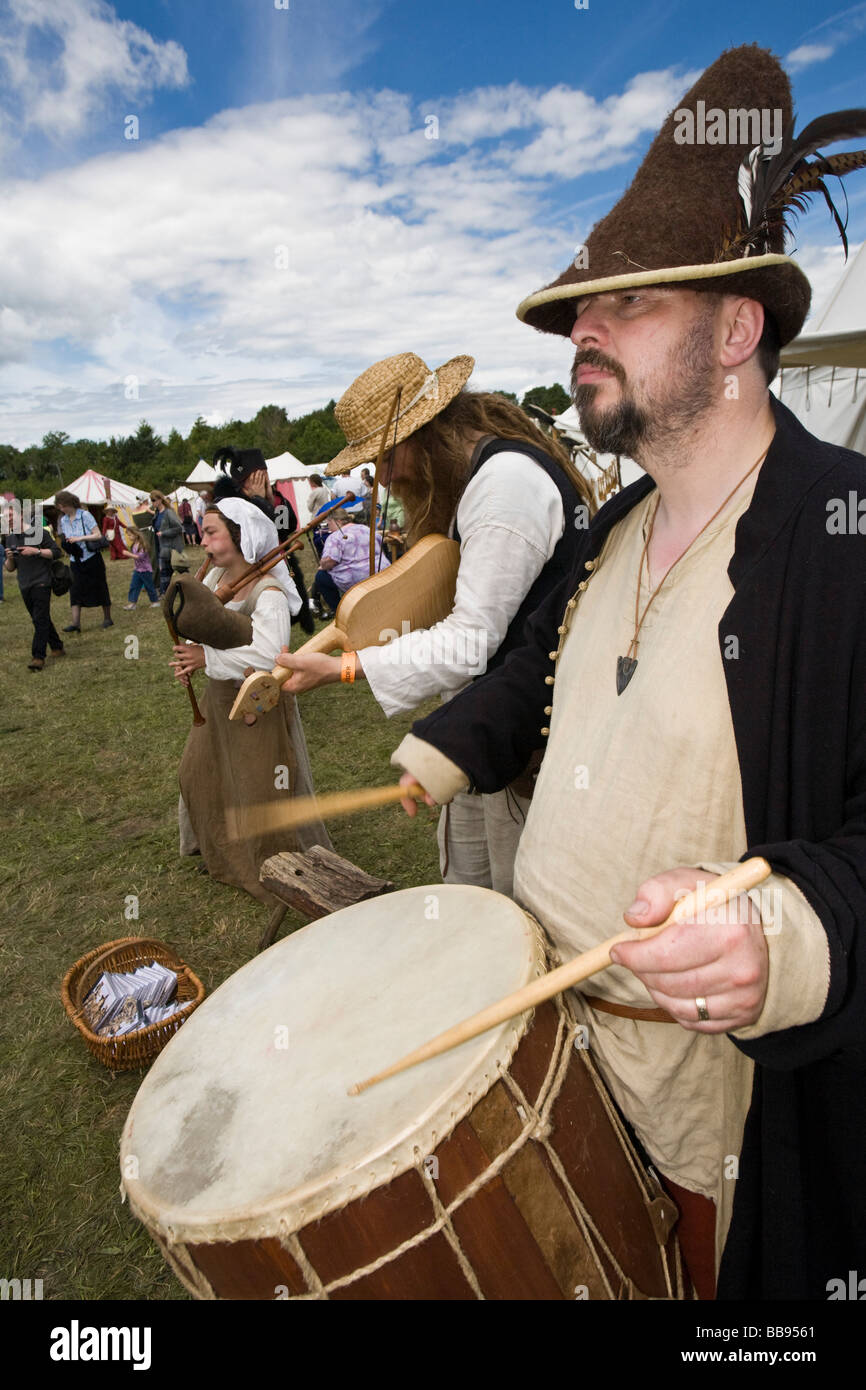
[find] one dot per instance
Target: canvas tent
(285, 471)
(286, 466)
(96, 488)
(599, 470)
(820, 377)
(182, 494)
(202, 473)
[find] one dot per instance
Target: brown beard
(628, 426)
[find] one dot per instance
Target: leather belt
(608, 1006)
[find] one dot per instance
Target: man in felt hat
(472, 464)
(699, 684)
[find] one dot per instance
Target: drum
(500, 1170)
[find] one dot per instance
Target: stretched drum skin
(499, 1170)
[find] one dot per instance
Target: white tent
(286, 466)
(820, 376)
(182, 494)
(95, 487)
(203, 473)
(600, 470)
(568, 423)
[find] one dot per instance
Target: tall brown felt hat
(708, 213)
(362, 411)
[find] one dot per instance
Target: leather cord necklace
(626, 665)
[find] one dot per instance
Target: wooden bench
(315, 883)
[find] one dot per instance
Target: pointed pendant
(625, 668)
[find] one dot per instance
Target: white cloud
(275, 252)
(835, 31)
(86, 51)
(806, 54)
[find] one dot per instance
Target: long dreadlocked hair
(441, 466)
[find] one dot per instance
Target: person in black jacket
(168, 533)
(245, 474)
(33, 556)
(698, 684)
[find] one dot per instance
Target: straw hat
(362, 411)
(711, 213)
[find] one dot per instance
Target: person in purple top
(142, 572)
(345, 560)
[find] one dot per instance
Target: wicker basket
(131, 1051)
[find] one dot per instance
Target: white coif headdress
(258, 536)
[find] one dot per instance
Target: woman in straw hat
(233, 765)
(473, 465)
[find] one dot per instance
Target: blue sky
(281, 219)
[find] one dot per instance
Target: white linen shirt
(510, 518)
(272, 629)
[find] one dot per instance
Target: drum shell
(520, 1234)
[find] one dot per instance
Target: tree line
(144, 460)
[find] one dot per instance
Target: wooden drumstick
(304, 809)
(715, 894)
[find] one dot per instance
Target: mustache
(591, 357)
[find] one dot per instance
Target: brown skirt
(229, 764)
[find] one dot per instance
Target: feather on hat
(711, 214)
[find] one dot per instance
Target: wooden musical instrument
(225, 592)
(418, 590)
(197, 716)
(501, 1171)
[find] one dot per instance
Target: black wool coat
(797, 691)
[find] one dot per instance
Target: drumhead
(244, 1126)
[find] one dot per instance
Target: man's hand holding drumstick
(723, 964)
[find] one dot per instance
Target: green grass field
(89, 751)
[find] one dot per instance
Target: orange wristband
(348, 663)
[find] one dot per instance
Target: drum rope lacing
(537, 1126)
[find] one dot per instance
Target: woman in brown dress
(229, 766)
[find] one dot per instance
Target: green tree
(271, 430)
(315, 442)
(554, 399)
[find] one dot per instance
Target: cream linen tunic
(631, 785)
(634, 784)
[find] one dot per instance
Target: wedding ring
(703, 1011)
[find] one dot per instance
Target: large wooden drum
(499, 1170)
